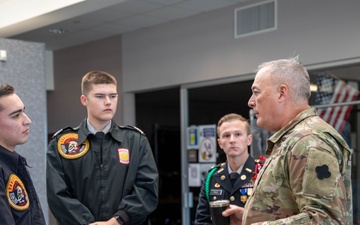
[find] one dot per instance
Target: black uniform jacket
(19, 203)
(92, 180)
(220, 188)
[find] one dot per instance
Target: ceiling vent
(255, 19)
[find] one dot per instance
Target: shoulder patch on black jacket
(64, 129)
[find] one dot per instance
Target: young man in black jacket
(19, 203)
(100, 172)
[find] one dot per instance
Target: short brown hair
(231, 117)
(6, 89)
(96, 77)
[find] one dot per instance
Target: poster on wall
(192, 134)
(194, 175)
(207, 143)
(204, 169)
(192, 155)
(197, 173)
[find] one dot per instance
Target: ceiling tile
(141, 21)
(106, 15)
(136, 6)
(166, 2)
(205, 5)
(171, 13)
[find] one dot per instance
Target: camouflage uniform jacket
(306, 178)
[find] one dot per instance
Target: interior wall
(70, 65)
(24, 69)
(203, 47)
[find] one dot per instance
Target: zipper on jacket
(100, 136)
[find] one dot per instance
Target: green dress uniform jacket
(306, 178)
(89, 179)
(220, 188)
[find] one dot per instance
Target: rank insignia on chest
(69, 148)
(17, 194)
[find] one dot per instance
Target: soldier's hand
(235, 212)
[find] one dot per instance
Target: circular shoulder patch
(69, 148)
(17, 194)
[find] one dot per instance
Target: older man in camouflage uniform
(306, 178)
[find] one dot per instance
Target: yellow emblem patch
(17, 194)
(69, 148)
(124, 156)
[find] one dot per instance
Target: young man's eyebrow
(106, 94)
(15, 112)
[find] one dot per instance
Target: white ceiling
(93, 20)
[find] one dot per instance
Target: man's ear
(219, 143)
(283, 92)
(83, 100)
(249, 139)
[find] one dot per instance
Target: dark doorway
(158, 115)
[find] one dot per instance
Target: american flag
(330, 91)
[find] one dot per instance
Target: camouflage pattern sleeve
(316, 180)
(305, 180)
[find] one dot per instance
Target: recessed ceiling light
(57, 30)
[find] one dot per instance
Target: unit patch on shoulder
(17, 194)
(69, 148)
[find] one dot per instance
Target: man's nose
(27, 120)
(107, 99)
(251, 102)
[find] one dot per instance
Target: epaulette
(216, 166)
(64, 129)
(135, 128)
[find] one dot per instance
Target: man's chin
(107, 117)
